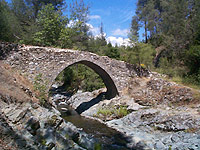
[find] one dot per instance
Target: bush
(193, 59)
(193, 63)
(170, 68)
(97, 146)
(140, 54)
(40, 87)
(114, 111)
(112, 52)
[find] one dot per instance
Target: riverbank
(26, 125)
(158, 115)
(162, 114)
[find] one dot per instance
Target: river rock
(79, 98)
(32, 125)
(159, 145)
(44, 129)
(132, 106)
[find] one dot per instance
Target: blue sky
(115, 15)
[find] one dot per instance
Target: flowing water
(108, 137)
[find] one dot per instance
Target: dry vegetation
(155, 91)
(13, 86)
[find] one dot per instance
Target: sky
(116, 17)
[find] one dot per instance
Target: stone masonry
(49, 62)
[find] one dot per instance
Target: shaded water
(108, 137)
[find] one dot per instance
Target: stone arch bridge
(49, 62)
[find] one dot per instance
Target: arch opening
(107, 80)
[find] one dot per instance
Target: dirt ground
(14, 88)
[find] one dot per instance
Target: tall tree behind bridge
(26, 13)
(5, 24)
(50, 25)
(170, 24)
(79, 13)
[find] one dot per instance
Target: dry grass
(144, 92)
(13, 85)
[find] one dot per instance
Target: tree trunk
(145, 28)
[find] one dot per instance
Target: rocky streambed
(34, 127)
(157, 115)
(160, 126)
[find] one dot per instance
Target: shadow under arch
(107, 80)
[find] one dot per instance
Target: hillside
(14, 89)
(164, 108)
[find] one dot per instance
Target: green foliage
(114, 111)
(170, 147)
(65, 40)
(112, 52)
(6, 18)
(169, 67)
(37, 5)
(141, 53)
(40, 87)
(121, 111)
(80, 77)
(97, 146)
(193, 63)
(105, 112)
(193, 59)
(134, 31)
(79, 13)
(173, 25)
(50, 23)
(23, 22)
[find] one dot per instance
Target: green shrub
(140, 54)
(112, 52)
(40, 87)
(97, 146)
(121, 111)
(170, 147)
(114, 111)
(52, 121)
(193, 59)
(105, 112)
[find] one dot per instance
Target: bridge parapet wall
(34, 60)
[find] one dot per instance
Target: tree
(25, 16)
(134, 31)
(79, 13)
(37, 5)
(23, 21)
(112, 52)
(100, 39)
(142, 15)
(5, 28)
(193, 59)
(50, 23)
(141, 54)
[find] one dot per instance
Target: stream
(109, 138)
